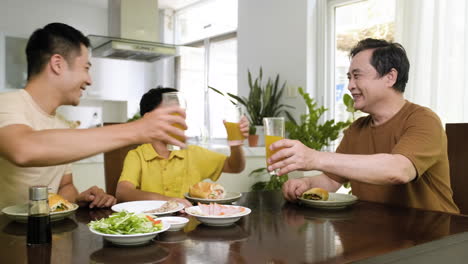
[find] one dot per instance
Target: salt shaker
(39, 230)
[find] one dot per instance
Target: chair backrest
(457, 137)
(113, 164)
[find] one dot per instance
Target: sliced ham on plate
(215, 209)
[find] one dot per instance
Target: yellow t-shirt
(18, 107)
(172, 177)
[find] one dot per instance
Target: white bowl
(216, 220)
(132, 240)
(176, 222)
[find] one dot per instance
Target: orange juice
(233, 131)
(181, 139)
(268, 141)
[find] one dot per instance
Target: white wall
(273, 34)
(22, 17)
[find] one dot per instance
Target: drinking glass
(274, 131)
(170, 99)
(233, 114)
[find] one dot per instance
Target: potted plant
(310, 131)
(253, 137)
(263, 100)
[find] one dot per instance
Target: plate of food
(59, 208)
(149, 207)
(128, 228)
(207, 192)
(214, 214)
(320, 198)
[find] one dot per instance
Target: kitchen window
(208, 58)
(354, 21)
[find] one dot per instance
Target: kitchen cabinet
(13, 67)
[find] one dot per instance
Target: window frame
(206, 44)
(325, 53)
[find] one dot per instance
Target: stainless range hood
(134, 33)
(128, 49)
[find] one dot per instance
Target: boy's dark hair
(152, 99)
(54, 38)
(386, 55)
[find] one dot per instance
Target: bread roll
(207, 190)
(57, 203)
(317, 194)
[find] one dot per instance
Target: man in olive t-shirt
(396, 155)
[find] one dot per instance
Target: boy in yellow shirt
(152, 172)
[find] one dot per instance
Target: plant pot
(253, 140)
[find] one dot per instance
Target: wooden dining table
(276, 231)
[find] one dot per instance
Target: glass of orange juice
(274, 131)
(174, 98)
(233, 114)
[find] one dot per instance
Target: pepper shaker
(39, 230)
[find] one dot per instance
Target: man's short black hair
(386, 56)
(152, 99)
(54, 38)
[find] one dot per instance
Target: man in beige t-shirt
(34, 143)
(20, 108)
(396, 155)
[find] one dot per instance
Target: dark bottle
(39, 231)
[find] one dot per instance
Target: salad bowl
(128, 229)
(131, 240)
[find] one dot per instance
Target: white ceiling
(163, 4)
(175, 4)
(93, 3)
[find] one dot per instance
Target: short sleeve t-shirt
(416, 133)
(172, 177)
(19, 108)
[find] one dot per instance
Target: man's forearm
(392, 169)
(58, 146)
(322, 181)
(236, 161)
(69, 192)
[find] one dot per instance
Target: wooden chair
(457, 137)
(113, 164)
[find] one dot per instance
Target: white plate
(20, 213)
(335, 201)
(228, 198)
(176, 222)
(132, 240)
(142, 206)
(216, 220)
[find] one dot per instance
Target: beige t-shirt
(416, 133)
(19, 108)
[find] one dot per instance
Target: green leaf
(216, 90)
(258, 172)
(312, 130)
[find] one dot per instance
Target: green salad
(126, 223)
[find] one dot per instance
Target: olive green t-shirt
(416, 133)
